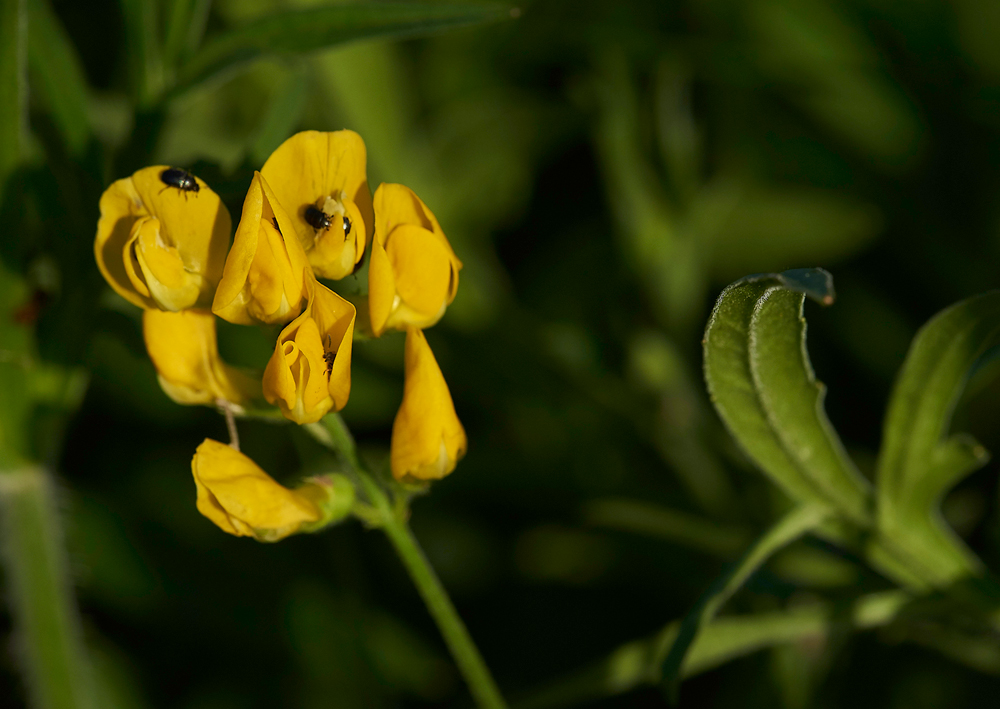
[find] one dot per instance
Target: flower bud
(183, 349)
(427, 437)
(263, 281)
(161, 247)
(320, 179)
(243, 500)
(413, 274)
(310, 370)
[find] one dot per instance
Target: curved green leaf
(789, 528)
(300, 31)
(919, 461)
(762, 384)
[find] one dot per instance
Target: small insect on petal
(317, 218)
(181, 179)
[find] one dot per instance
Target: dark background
(603, 169)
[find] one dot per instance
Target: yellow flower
(427, 437)
(320, 179)
(413, 274)
(264, 276)
(243, 500)
(183, 349)
(159, 246)
(310, 370)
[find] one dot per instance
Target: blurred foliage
(603, 170)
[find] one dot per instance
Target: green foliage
(762, 383)
(920, 459)
(309, 30)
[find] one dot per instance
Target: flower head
(160, 246)
(413, 274)
(320, 179)
(264, 277)
(310, 370)
(183, 349)
(243, 500)
(427, 437)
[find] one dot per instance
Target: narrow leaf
(919, 462)
(762, 384)
(56, 67)
(788, 529)
(294, 32)
(13, 84)
(143, 47)
(635, 664)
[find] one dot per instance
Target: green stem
(335, 435)
(39, 590)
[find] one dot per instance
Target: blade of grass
(789, 528)
(299, 31)
(13, 83)
(55, 64)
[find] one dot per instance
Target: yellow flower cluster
(163, 244)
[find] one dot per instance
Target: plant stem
(335, 435)
(38, 586)
(456, 636)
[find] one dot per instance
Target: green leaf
(281, 118)
(636, 663)
(56, 68)
(13, 84)
(294, 32)
(762, 384)
(143, 47)
(789, 528)
(919, 461)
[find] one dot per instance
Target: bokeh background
(603, 169)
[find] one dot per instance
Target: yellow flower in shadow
(310, 370)
(183, 349)
(264, 277)
(243, 500)
(413, 274)
(427, 437)
(320, 178)
(159, 246)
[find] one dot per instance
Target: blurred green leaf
(789, 528)
(755, 227)
(13, 85)
(60, 79)
(300, 31)
(143, 47)
(282, 117)
(637, 663)
(919, 462)
(186, 22)
(762, 384)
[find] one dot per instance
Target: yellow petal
(263, 277)
(186, 251)
(427, 437)
(243, 500)
(326, 171)
(182, 347)
(381, 288)
(424, 268)
(310, 370)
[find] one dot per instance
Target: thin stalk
(335, 435)
(42, 607)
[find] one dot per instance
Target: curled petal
(263, 278)
(158, 246)
(310, 371)
(243, 500)
(325, 172)
(427, 437)
(182, 347)
(413, 274)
